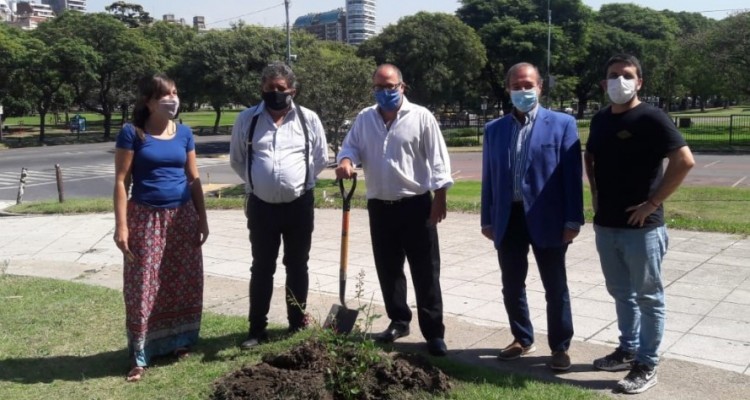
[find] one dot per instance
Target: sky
(221, 13)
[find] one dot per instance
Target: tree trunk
(124, 109)
(583, 101)
(42, 124)
(218, 118)
(107, 122)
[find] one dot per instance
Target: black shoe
(391, 334)
(254, 339)
(437, 347)
(298, 324)
(619, 360)
(639, 379)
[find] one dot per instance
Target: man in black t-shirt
(624, 156)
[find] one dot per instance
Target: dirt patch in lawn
(316, 370)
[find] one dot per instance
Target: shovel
(342, 319)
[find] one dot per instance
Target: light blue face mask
(524, 100)
(388, 100)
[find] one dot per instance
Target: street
(88, 169)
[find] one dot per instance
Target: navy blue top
(159, 178)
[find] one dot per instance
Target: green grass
(714, 112)
(708, 209)
(70, 206)
(25, 130)
(195, 118)
(207, 118)
(703, 134)
(63, 340)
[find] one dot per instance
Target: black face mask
(276, 101)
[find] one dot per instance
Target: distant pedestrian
(278, 148)
(160, 228)
(624, 154)
(532, 196)
(405, 161)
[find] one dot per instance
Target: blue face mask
(523, 100)
(388, 100)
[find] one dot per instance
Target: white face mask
(621, 90)
(170, 106)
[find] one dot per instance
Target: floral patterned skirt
(163, 285)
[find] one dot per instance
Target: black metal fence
(701, 132)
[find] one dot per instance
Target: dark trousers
(513, 257)
(401, 231)
(269, 224)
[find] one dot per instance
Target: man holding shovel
(405, 160)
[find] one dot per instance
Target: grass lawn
(195, 118)
(25, 130)
(711, 112)
(691, 208)
(63, 340)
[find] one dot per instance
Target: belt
(399, 201)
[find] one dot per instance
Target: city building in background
(6, 13)
(28, 15)
(329, 25)
(59, 6)
(360, 20)
(199, 23)
(171, 19)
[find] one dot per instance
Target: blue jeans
(631, 262)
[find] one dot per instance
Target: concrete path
(706, 347)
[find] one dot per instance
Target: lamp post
(484, 115)
(549, 43)
(288, 36)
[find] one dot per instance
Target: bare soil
(313, 370)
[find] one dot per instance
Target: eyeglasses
(380, 88)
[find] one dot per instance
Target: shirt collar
(530, 116)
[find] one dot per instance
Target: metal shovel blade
(341, 319)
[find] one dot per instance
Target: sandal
(181, 353)
(136, 374)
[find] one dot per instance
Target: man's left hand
(640, 212)
(569, 235)
(439, 207)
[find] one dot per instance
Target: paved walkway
(706, 347)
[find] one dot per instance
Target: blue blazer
(552, 183)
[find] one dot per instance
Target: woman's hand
(121, 240)
(202, 231)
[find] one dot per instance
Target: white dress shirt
(278, 159)
(407, 159)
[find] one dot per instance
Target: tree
(123, 56)
(11, 56)
(223, 67)
(336, 85)
(659, 51)
(694, 65)
(171, 40)
(47, 68)
(605, 42)
(439, 55)
(730, 40)
(131, 14)
(516, 31)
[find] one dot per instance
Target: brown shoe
(515, 350)
(560, 361)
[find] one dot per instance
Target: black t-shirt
(629, 151)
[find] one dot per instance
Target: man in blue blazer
(532, 196)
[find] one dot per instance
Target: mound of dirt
(318, 370)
